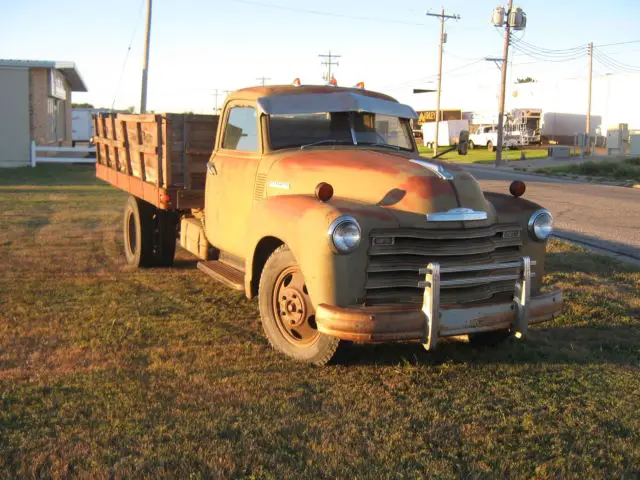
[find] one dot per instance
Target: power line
(328, 14)
(546, 54)
(429, 77)
(126, 57)
(620, 65)
(617, 43)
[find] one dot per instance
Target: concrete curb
(573, 178)
(584, 179)
(599, 250)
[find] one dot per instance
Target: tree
(526, 80)
(131, 109)
(82, 105)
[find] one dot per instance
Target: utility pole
(588, 137)
(327, 61)
(443, 17)
(516, 19)
(503, 85)
(262, 80)
(216, 95)
(145, 64)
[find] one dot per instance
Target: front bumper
(409, 322)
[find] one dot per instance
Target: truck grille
(396, 255)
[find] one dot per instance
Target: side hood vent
(261, 183)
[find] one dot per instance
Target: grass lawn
(482, 155)
(627, 169)
(110, 372)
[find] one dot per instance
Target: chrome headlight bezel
(534, 227)
(336, 227)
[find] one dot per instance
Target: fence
(36, 158)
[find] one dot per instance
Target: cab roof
(254, 93)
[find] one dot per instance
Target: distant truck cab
(315, 200)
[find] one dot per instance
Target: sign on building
(56, 85)
(426, 116)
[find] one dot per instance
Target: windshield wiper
(386, 145)
(320, 142)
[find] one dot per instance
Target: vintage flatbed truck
(315, 200)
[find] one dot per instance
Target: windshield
(342, 128)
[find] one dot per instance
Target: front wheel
(471, 145)
(287, 314)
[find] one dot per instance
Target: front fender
(510, 209)
(302, 223)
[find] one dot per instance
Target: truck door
(231, 173)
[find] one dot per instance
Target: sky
(198, 46)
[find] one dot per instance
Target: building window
(56, 120)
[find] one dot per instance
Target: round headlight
(541, 225)
(345, 234)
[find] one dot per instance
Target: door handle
(211, 168)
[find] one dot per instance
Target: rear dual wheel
(287, 314)
(149, 234)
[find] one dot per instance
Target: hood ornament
(457, 215)
(434, 167)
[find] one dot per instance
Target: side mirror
(463, 142)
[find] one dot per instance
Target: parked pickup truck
(487, 136)
(314, 199)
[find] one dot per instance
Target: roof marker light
(333, 82)
(296, 82)
(359, 85)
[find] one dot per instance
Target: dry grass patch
(109, 372)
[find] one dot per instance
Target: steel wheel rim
(131, 233)
(292, 308)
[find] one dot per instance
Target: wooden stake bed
(160, 158)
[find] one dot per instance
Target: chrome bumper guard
(432, 284)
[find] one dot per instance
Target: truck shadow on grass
(600, 323)
(590, 345)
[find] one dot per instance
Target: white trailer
(448, 133)
(82, 123)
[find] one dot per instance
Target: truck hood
(379, 180)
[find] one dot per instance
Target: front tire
(471, 145)
(287, 314)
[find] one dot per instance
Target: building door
(14, 117)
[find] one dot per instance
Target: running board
(223, 273)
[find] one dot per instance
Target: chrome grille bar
(476, 268)
(431, 298)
